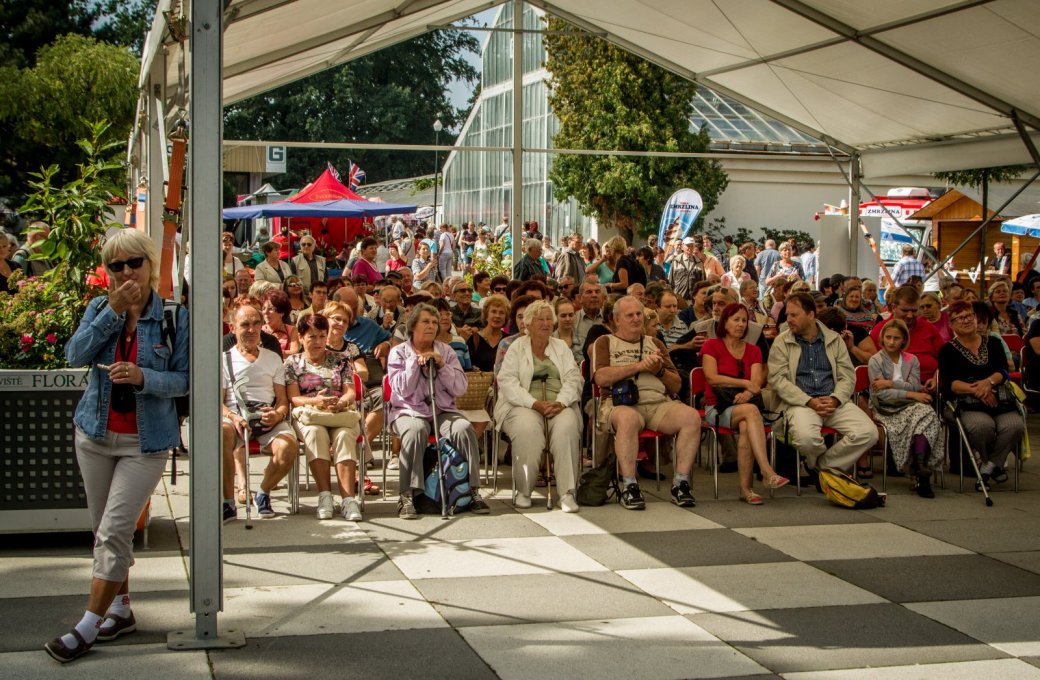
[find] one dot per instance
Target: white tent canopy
(910, 86)
(896, 86)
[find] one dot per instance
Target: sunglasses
(133, 263)
(463, 290)
(500, 290)
(295, 284)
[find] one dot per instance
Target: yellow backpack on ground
(841, 489)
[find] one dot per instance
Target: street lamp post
(437, 127)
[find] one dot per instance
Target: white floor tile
(1010, 624)
(612, 519)
(319, 609)
(850, 541)
(731, 588)
(1005, 669)
(488, 557)
(655, 648)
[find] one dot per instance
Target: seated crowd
(606, 356)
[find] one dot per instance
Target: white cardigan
(517, 372)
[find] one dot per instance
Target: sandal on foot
(62, 654)
(864, 472)
(777, 481)
(752, 499)
(371, 488)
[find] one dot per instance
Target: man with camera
(267, 408)
(637, 377)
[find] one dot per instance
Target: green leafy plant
(78, 212)
(36, 322)
(496, 263)
(42, 313)
(785, 233)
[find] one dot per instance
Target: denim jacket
(165, 375)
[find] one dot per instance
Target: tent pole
(518, 129)
(206, 576)
(854, 199)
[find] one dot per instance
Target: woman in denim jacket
(126, 423)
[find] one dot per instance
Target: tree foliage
(390, 96)
(43, 108)
(607, 99)
(979, 176)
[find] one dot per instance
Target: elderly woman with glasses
(411, 406)
(973, 377)
(539, 388)
(310, 263)
(126, 423)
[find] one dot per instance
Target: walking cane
(548, 456)
(240, 396)
(430, 375)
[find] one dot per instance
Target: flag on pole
(355, 175)
(333, 171)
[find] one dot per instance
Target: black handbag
(626, 392)
(725, 396)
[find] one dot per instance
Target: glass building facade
(478, 184)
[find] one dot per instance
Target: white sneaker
(393, 464)
(351, 510)
(522, 501)
(568, 504)
(326, 506)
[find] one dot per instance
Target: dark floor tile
(939, 577)
(372, 656)
(857, 636)
(649, 550)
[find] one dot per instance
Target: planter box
(40, 485)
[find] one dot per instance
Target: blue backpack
(456, 480)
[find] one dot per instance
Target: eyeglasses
(295, 284)
(306, 245)
(133, 263)
(340, 319)
(500, 289)
(463, 290)
(964, 318)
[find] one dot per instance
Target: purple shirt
(409, 387)
(364, 269)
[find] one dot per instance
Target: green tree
(43, 109)
(606, 99)
(390, 96)
(980, 176)
(28, 25)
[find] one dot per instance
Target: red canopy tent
(332, 231)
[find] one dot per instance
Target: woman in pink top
(365, 266)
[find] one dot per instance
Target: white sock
(120, 606)
(87, 627)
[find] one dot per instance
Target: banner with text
(679, 214)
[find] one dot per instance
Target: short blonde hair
(536, 308)
(132, 243)
(334, 306)
(618, 244)
(496, 300)
(737, 258)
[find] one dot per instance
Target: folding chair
(293, 480)
(698, 385)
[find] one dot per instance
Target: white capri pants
(118, 481)
(528, 432)
(318, 438)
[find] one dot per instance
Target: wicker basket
(475, 398)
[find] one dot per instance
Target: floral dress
(333, 374)
(903, 418)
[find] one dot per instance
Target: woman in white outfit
(539, 388)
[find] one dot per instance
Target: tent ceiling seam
(902, 58)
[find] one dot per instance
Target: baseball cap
(689, 241)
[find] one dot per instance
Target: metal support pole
(982, 247)
(854, 177)
(205, 115)
(518, 129)
(155, 151)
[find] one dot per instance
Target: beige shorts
(650, 414)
